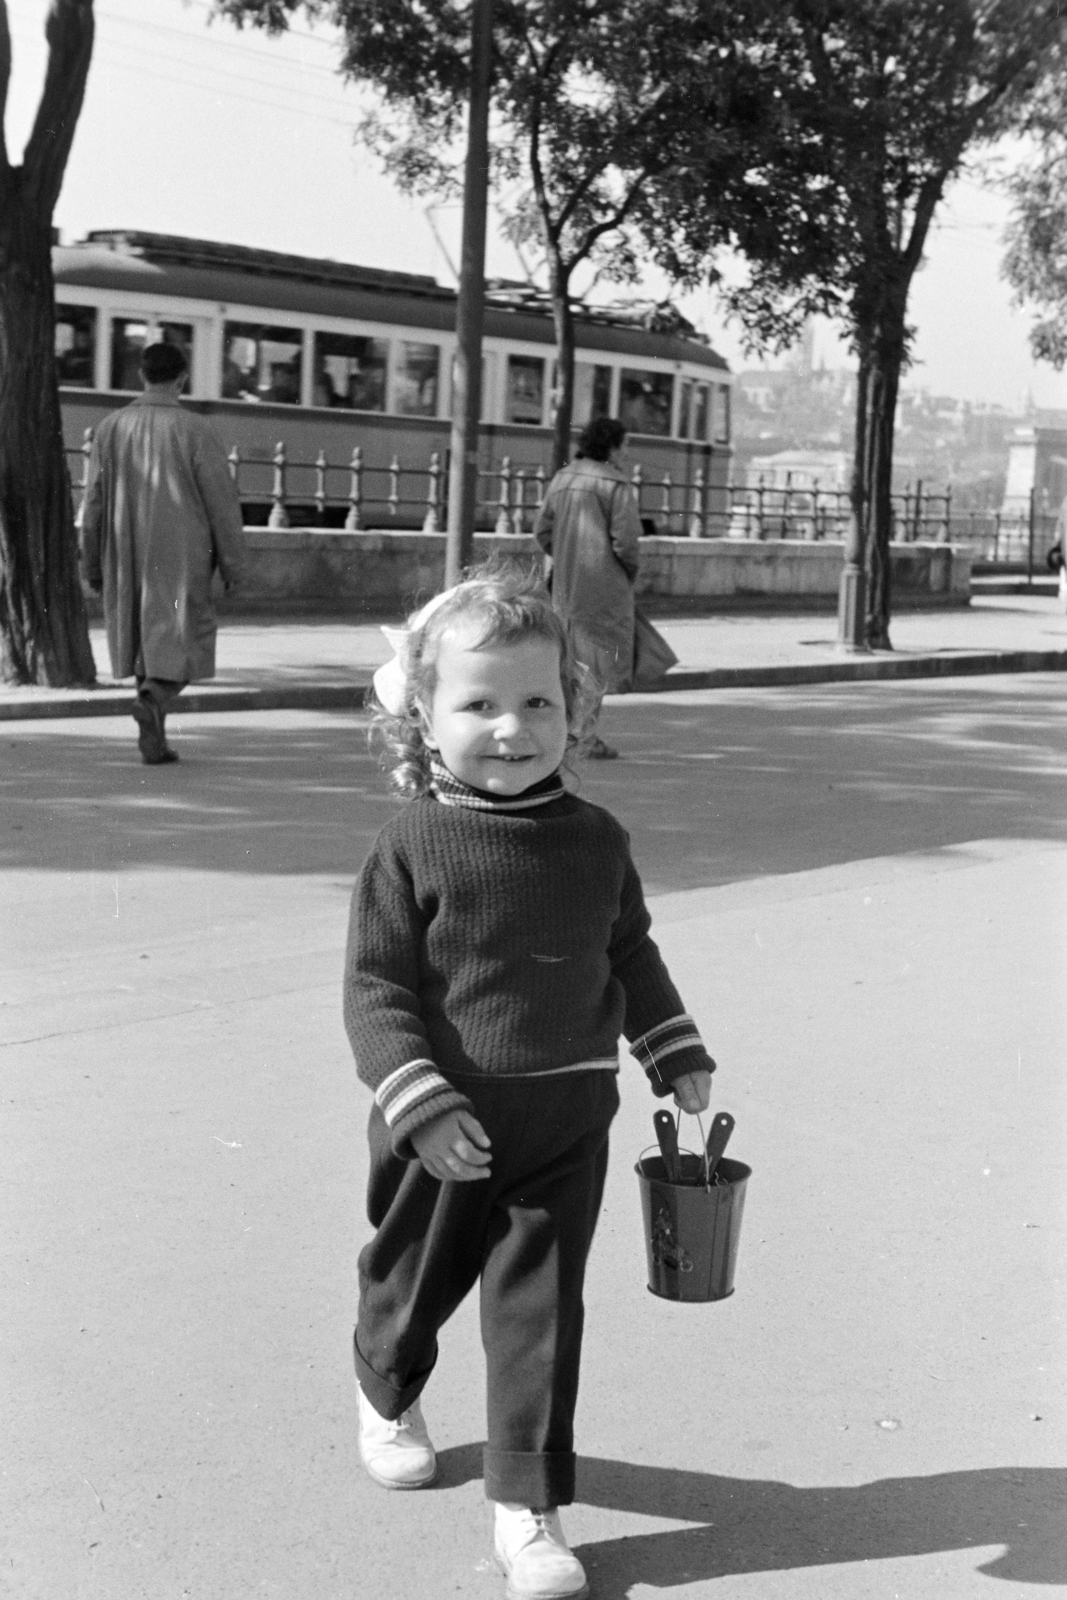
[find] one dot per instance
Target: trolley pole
(467, 372)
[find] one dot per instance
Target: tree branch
(69, 31)
(5, 79)
(616, 220)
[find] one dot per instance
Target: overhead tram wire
(327, 43)
(213, 42)
(309, 98)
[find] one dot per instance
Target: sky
(193, 128)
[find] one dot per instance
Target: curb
(870, 668)
(353, 697)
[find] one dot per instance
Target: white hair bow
(391, 681)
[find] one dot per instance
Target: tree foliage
(592, 100)
(43, 629)
(1035, 263)
(874, 104)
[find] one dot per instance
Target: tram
(318, 364)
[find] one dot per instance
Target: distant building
(1037, 460)
(799, 469)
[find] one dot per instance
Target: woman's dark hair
(599, 438)
(162, 363)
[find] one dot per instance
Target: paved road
(862, 892)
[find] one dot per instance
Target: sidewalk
(308, 663)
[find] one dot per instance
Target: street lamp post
(467, 371)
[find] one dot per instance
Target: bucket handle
(651, 1148)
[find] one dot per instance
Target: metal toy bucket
(692, 1231)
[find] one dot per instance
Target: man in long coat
(161, 512)
(589, 525)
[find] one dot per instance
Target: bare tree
(44, 635)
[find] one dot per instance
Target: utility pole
(467, 372)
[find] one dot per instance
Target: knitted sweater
(486, 943)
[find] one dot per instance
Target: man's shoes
(534, 1555)
(151, 739)
(398, 1455)
(599, 751)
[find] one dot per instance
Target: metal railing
(288, 491)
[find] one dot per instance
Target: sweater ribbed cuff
(410, 1097)
(670, 1050)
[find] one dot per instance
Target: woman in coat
(590, 527)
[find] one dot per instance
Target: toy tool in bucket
(692, 1208)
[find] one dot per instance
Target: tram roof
(203, 269)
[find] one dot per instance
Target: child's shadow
(757, 1525)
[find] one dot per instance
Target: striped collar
(451, 792)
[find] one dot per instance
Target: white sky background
(204, 131)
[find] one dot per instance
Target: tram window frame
(646, 379)
(517, 363)
(407, 382)
(721, 418)
(79, 319)
(263, 335)
(368, 358)
(124, 354)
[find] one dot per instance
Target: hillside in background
(940, 440)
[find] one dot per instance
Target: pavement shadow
(758, 1525)
(713, 788)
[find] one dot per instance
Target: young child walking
(498, 948)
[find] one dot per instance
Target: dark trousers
(161, 691)
(526, 1232)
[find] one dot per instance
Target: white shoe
(533, 1553)
(398, 1455)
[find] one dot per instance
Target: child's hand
(454, 1148)
(693, 1092)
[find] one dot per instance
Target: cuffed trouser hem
(539, 1481)
(385, 1397)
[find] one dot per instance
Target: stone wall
(381, 574)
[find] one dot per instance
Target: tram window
(700, 412)
(721, 415)
(261, 363)
(415, 380)
(685, 407)
(645, 400)
(592, 392)
(526, 390)
(350, 371)
(76, 346)
(128, 339)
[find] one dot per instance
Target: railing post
(759, 507)
(353, 521)
(84, 450)
(518, 499)
(667, 486)
(1030, 536)
(503, 522)
(279, 517)
(433, 476)
(636, 484)
(696, 514)
(394, 485)
(320, 486)
(539, 475)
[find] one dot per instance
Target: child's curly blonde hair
(510, 601)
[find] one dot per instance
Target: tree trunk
(44, 633)
(563, 318)
(872, 478)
